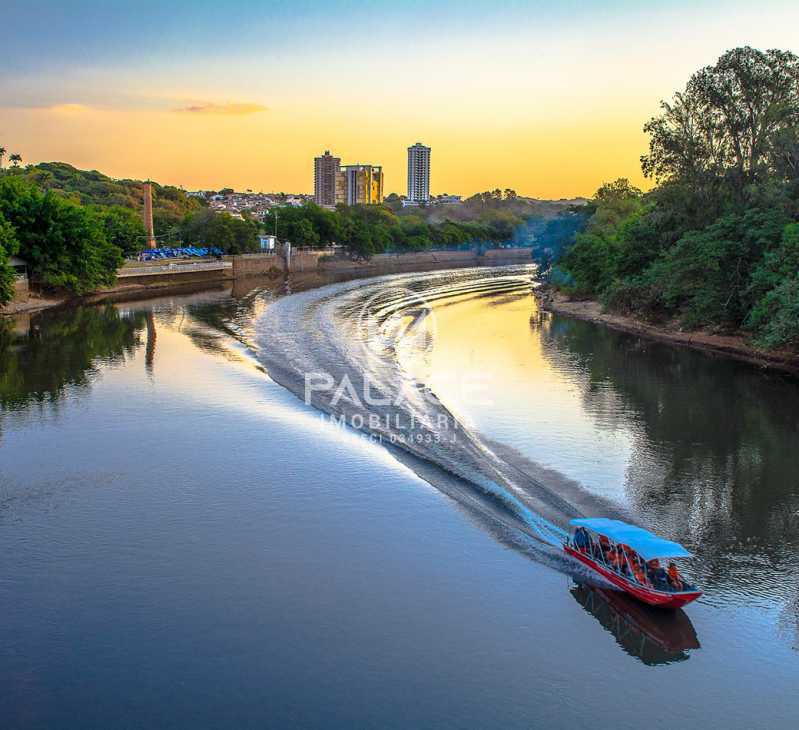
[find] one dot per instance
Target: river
(191, 536)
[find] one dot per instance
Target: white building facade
(419, 173)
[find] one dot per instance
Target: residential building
(419, 173)
(326, 170)
(446, 199)
(359, 185)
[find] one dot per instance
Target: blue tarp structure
(155, 254)
(647, 545)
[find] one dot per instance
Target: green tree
(63, 243)
(727, 121)
(8, 247)
(123, 227)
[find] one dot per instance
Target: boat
(635, 568)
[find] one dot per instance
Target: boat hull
(661, 599)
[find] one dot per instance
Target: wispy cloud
(68, 108)
(230, 109)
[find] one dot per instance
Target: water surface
(186, 543)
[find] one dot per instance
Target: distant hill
(90, 187)
(487, 205)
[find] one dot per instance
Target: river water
(191, 536)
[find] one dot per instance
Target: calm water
(187, 544)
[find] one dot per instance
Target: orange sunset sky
(546, 98)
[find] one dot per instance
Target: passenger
(657, 575)
(581, 539)
(639, 574)
(674, 577)
(613, 559)
(604, 546)
(627, 559)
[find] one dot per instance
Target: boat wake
(360, 352)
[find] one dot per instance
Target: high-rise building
(360, 185)
(325, 172)
(419, 173)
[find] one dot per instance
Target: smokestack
(148, 215)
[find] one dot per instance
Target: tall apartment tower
(360, 185)
(325, 172)
(419, 173)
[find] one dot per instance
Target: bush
(776, 317)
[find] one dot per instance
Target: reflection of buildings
(649, 634)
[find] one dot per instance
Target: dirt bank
(733, 346)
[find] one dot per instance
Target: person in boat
(675, 580)
(639, 573)
(604, 548)
(582, 540)
(656, 574)
(615, 559)
(627, 558)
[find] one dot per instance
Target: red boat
(629, 557)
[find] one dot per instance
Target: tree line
(715, 243)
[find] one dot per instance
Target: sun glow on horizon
(550, 102)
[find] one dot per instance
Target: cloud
(68, 108)
(227, 109)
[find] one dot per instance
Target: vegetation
(368, 230)
(715, 244)
(222, 230)
(8, 247)
(63, 243)
(89, 187)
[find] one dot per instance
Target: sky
(546, 98)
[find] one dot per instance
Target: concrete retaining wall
(503, 255)
(427, 258)
(258, 264)
(167, 278)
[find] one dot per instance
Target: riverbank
(140, 280)
(732, 346)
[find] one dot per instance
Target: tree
(728, 122)
(2, 155)
(220, 230)
(63, 243)
(15, 160)
(8, 247)
(123, 227)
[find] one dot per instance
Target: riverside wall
(143, 277)
(388, 261)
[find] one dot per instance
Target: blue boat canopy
(647, 545)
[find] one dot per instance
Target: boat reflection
(651, 635)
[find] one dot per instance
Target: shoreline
(139, 284)
(122, 292)
(734, 347)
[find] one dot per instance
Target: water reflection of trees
(62, 350)
(715, 458)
